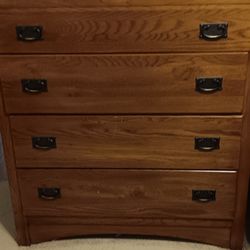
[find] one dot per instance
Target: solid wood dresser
(126, 117)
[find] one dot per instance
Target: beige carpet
(8, 243)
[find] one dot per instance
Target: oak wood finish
(128, 193)
(127, 141)
(121, 29)
(218, 236)
(163, 83)
(125, 158)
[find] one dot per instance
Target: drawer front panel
(121, 29)
(127, 142)
(128, 193)
(124, 83)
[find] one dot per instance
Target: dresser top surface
(108, 3)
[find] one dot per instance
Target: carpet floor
(7, 232)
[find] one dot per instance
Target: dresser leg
(238, 248)
(21, 237)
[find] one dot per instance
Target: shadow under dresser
(126, 117)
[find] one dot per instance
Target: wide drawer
(174, 142)
(163, 83)
(128, 193)
(122, 29)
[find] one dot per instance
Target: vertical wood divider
(238, 229)
(22, 237)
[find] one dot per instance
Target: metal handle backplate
(29, 33)
(34, 86)
(49, 193)
(209, 85)
(203, 195)
(207, 144)
(44, 143)
(213, 31)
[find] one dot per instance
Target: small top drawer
(122, 29)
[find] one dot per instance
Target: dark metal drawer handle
(44, 143)
(209, 85)
(203, 195)
(213, 31)
(49, 193)
(207, 144)
(34, 86)
(29, 33)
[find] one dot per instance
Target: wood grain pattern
(163, 83)
(127, 141)
(128, 193)
(216, 236)
(104, 3)
(122, 196)
(121, 29)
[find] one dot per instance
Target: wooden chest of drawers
(126, 117)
